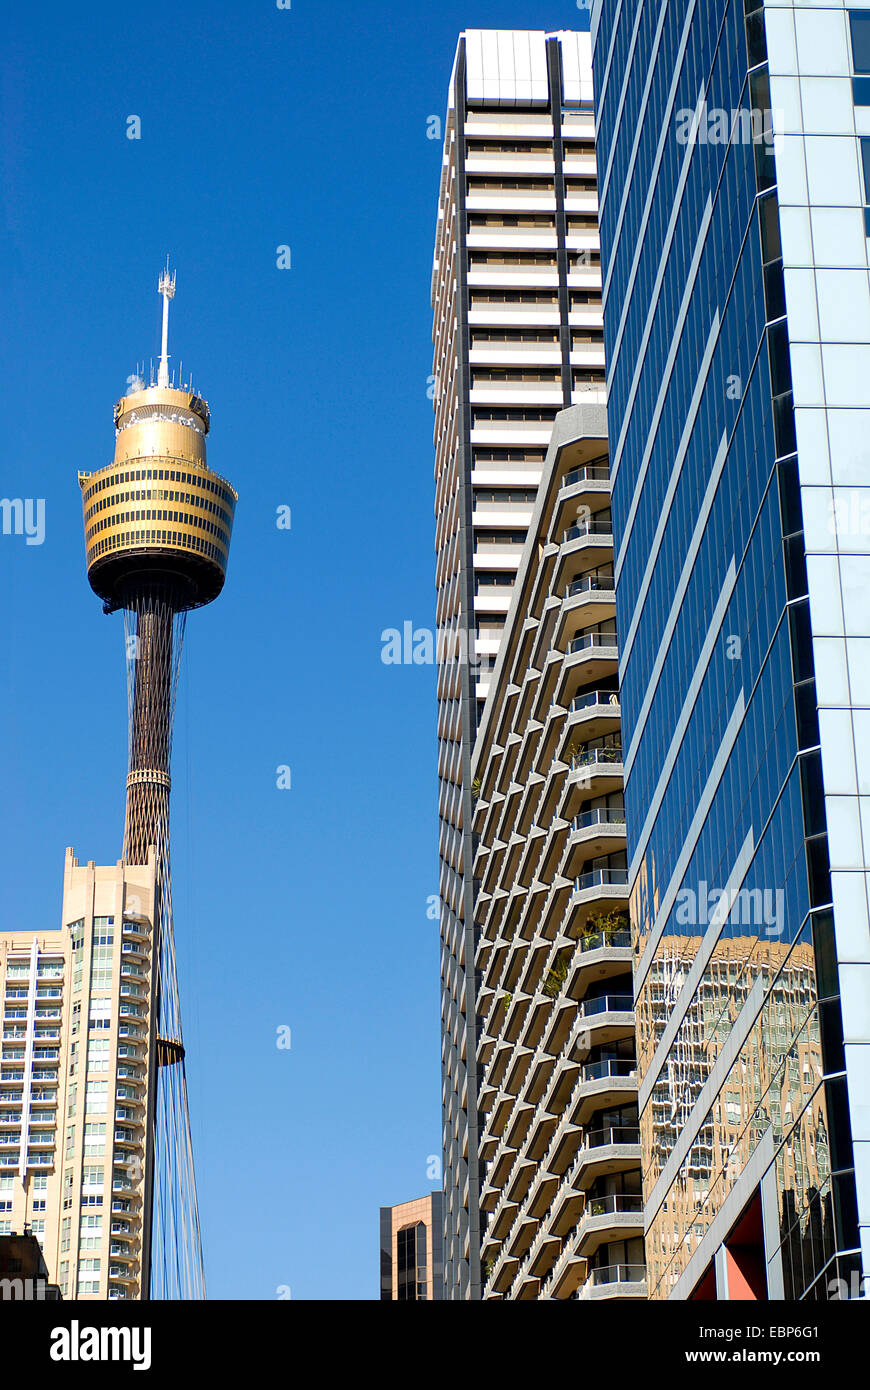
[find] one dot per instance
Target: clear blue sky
(306, 908)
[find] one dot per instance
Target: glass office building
(730, 148)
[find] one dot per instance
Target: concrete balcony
(504, 354)
(498, 314)
(607, 1018)
(510, 200)
(517, 277)
(605, 1219)
(537, 1263)
(589, 599)
(590, 715)
(566, 1276)
(482, 238)
(593, 833)
(617, 1282)
(610, 1150)
(602, 895)
(604, 1085)
(587, 356)
(515, 393)
(587, 663)
(508, 162)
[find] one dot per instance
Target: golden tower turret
(157, 513)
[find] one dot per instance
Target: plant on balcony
(606, 924)
(556, 978)
(475, 789)
(506, 1000)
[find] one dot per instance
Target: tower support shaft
(147, 814)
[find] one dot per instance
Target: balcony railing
(591, 583)
(586, 640)
(616, 1204)
(591, 698)
(607, 1004)
(610, 1136)
(596, 940)
(590, 757)
(601, 815)
(618, 1274)
(588, 528)
(598, 878)
(587, 472)
(615, 1067)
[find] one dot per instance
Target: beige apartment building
(412, 1250)
(561, 1203)
(76, 1080)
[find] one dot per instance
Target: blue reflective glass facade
(740, 1041)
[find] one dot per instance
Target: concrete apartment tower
(737, 334)
(561, 1205)
(77, 1078)
(517, 336)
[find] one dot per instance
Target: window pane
(859, 21)
(865, 164)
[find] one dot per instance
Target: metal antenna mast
(166, 287)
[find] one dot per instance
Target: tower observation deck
(158, 524)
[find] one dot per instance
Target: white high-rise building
(77, 1079)
(517, 332)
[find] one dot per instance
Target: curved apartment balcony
(536, 1264)
(500, 1222)
(595, 475)
(594, 832)
(612, 1149)
(601, 885)
(590, 598)
(599, 955)
(591, 647)
(590, 714)
(617, 1282)
(602, 1219)
(514, 1246)
(607, 1018)
(604, 1085)
(589, 540)
(585, 485)
(618, 1216)
(594, 772)
(566, 1275)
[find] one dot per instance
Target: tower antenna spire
(166, 287)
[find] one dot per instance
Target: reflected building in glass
(733, 216)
